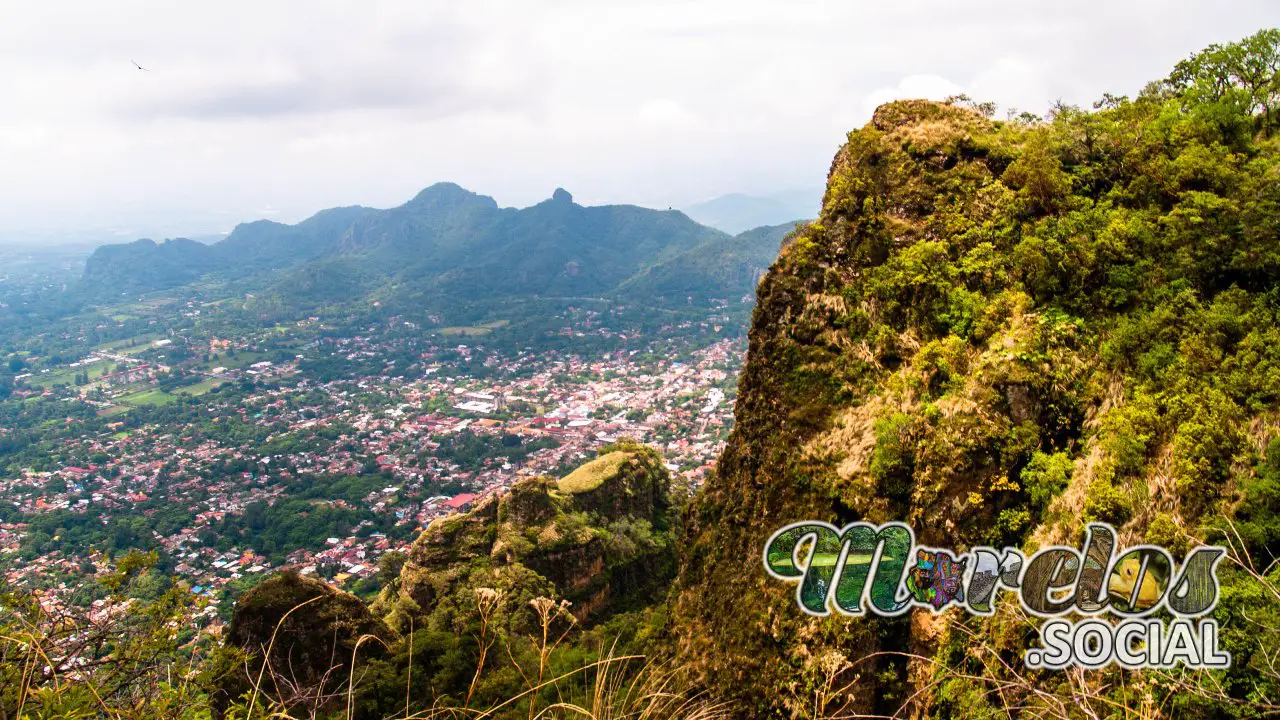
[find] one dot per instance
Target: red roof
(458, 501)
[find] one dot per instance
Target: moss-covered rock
(625, 483)
(307, 632)
(600, 539)
(995, 332)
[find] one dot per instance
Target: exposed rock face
(451, 543)
(530, 502)
(600, 539)
(979, 337)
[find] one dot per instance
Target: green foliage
(991, 318)
(893, 459)
(1038, 174)
(1044, 478)
(1204, 447)
(1164, 532)
(1228, 84)
(1104, 502)
(1128, 433)
(133, 659)
(389, 567)
(1257, 520)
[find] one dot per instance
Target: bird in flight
(135, 64)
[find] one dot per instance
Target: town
(298, 447)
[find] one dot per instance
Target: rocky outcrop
(995, 332)
(624, 483)
(307, 632)
(599, 538)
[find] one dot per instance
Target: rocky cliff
(545, 577)
(308, 634)
(599, 538)
(996, 332)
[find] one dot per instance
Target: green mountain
(145, 265)
(997, 332)
(725, 267)
(449, 248)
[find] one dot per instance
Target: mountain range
(449, 246)
(737, 212)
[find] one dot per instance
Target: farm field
(67, 375)
(147, 397)
(473, 330)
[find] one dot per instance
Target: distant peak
(448, 194)
(441, 189)
(561, 195)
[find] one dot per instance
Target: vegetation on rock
(593, 474)
(995, 332)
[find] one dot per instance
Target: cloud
(666, 113)
(314, 95)
(658, 102)
(1013, 83)
(23, 138)
(431, 65)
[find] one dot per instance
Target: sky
(251, 110)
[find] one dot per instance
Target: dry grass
(616, 687)
(593, 474)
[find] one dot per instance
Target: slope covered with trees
(452, 253)
(996, 332)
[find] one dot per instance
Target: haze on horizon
(249, 110)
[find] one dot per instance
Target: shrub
(1044, 478)
(1106, 503)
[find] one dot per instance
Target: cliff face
(599, 538)
(552, 570)
(995, 332)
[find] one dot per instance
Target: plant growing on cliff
(997, 331)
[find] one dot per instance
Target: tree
(389, 566)
(1242, 76)
(124, 659)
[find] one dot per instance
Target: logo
(1108, 594)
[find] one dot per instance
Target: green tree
(389, 566)
(1239, 79)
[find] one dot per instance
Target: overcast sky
(250, 110)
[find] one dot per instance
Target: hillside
(145, 265)
(996, 332)
(451, 252)
(724, 267)
(585, 556)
